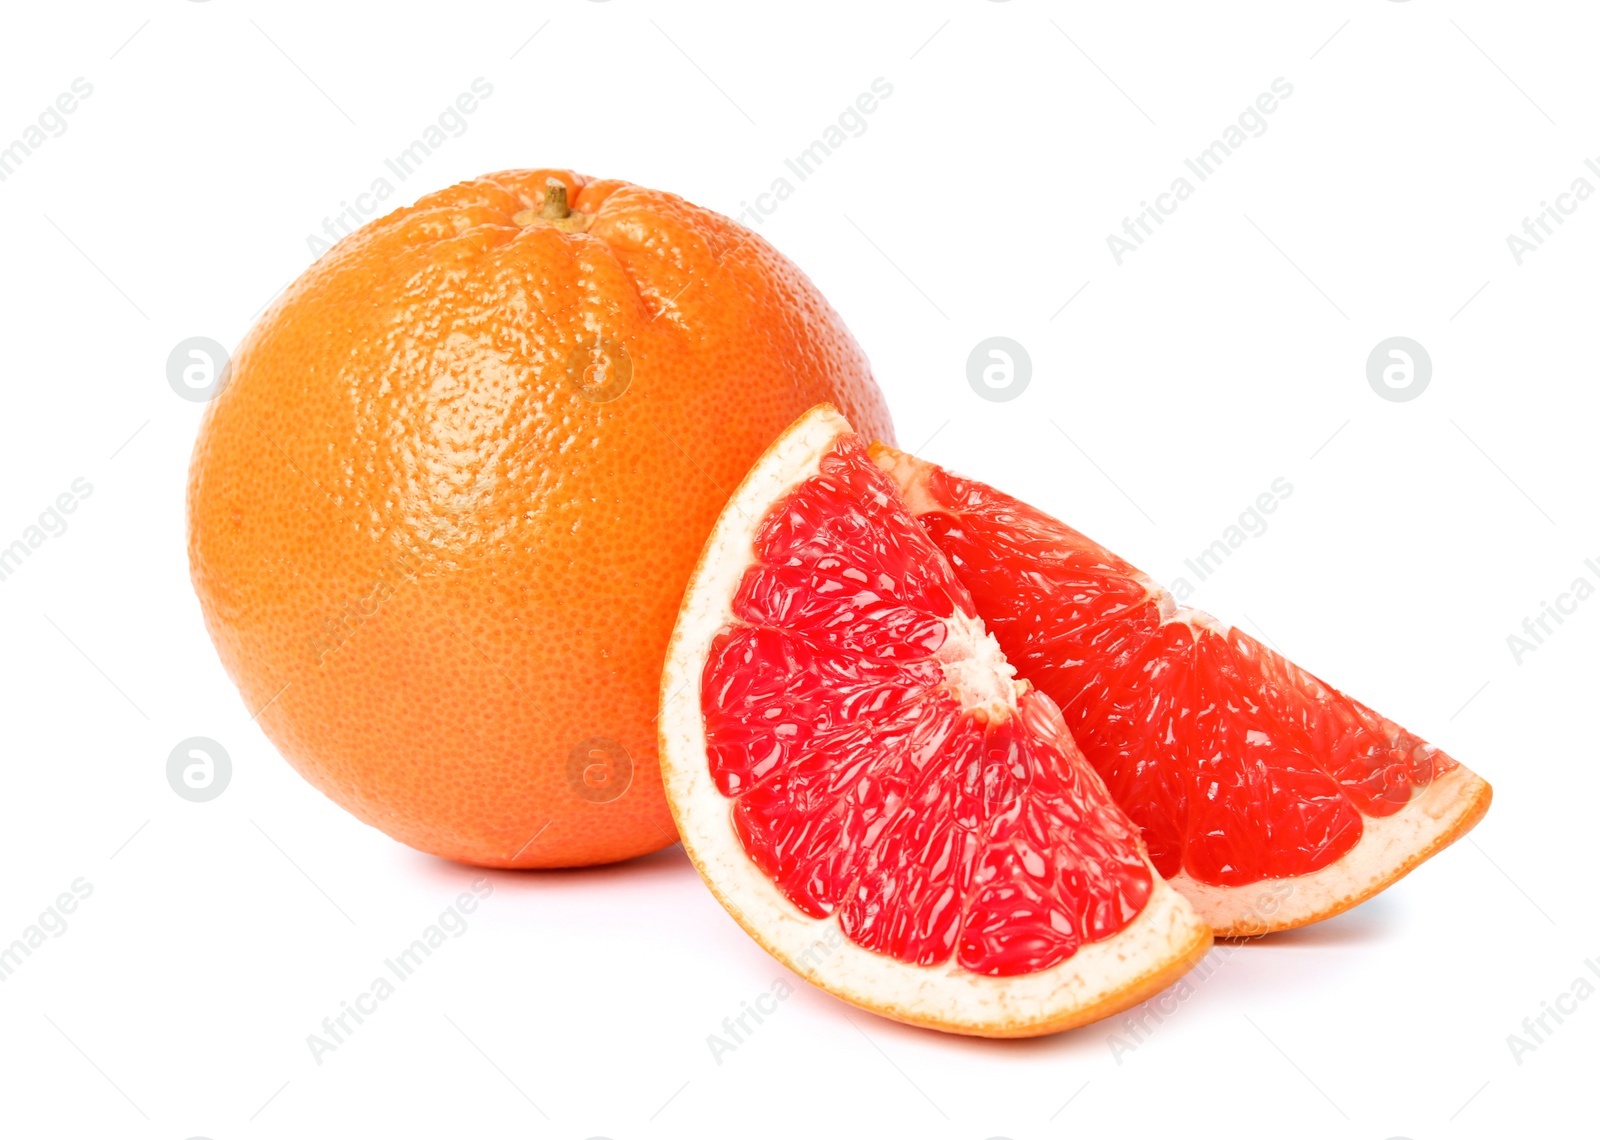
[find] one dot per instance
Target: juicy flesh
(859, 781)
(1236, 764)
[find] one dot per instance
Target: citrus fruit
(871, 793)
(1268, 798)
(442, 513)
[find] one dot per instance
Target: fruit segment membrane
(1236, 764)
(867, 779)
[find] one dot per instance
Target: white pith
(1100, 979)
(976, 672)
(1198, 621)
(1389, 847)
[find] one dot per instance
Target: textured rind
(1101, 979)
(1389, 848)
(433, 566)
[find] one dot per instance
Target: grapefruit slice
(1268, 798)
(869, 791)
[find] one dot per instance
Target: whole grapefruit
(442, 513)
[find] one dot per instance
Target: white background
(1229, 351)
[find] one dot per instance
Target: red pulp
(859, 781)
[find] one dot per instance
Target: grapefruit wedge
(1268, 798)
(869, 791)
